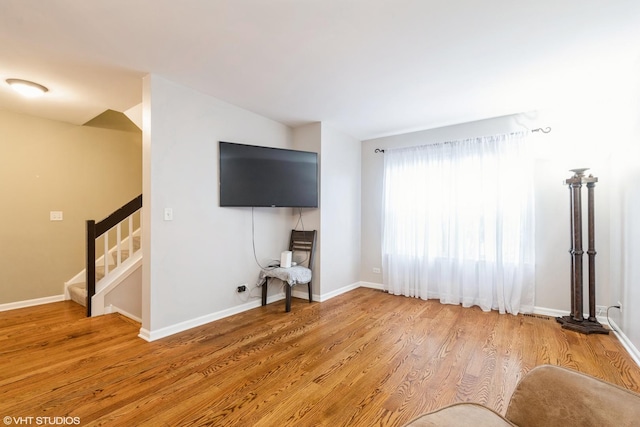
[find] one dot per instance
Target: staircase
(78, 290)
(115, 267)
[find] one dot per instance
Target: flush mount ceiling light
(27, 88)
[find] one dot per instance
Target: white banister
(118, 241)
(114, 254)
(130, 234)
(106, 253)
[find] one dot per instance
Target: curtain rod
(545, 130)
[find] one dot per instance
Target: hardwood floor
(361, 359)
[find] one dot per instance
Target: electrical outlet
(620, 304)
(376, 270)
(242, 288)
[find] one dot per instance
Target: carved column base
(585, 327)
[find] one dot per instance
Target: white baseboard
(147, 335)
(372, 285)
(602, 318)
(113, 309)
(31, 302)
(551, 312)
(626, 342)
(326, 296)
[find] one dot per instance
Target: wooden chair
(301, 241)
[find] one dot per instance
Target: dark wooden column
(576, 320)
(573, 266)
(591, 251)
(91, 263)
(576, 249)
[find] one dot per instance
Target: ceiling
(368, 67)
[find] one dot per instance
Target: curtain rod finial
(545, 130)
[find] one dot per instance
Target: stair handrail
(97, 229)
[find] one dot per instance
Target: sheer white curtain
(458, 223)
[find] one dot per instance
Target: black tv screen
(267, 177)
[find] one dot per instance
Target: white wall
(194, 263)
(624, 134)
(625, 260)
(555, 153)
(308, 138)
(340, 213)
(338, 219)
(127, 296)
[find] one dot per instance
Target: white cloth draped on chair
(458, 223)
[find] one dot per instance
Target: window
(458, 222)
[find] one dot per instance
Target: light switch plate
(55, 216)
(168, 214)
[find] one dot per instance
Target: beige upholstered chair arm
(551, 396)
(460, 414)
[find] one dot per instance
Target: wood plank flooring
(364, 358)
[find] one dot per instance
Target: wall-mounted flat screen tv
(257, 176)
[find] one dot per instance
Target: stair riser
(78, 293)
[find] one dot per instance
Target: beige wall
(46, 166)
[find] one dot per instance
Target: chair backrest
(304, 241)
